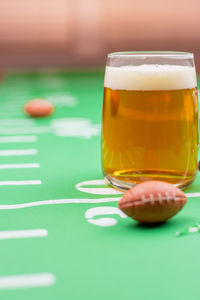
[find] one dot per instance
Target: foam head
(150, 77)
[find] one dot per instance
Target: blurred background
(74, 33)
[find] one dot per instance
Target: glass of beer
(150, 118)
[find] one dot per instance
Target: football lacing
(159, 198)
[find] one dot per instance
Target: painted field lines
(10, 108)
(21, 182)
(26, 281)
(18, 139)
(10, 113)
(57, 201)
(22, 234)
(26, 130)
(20, 166)
(71, 201)
(85, 187)
(18, 152)
(99, 211)
(16, 122)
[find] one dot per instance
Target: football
(39, 108)
(152, 202)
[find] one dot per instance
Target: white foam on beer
(150, 77)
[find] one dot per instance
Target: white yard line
(26, 281)
(84, 186)
(26, 130)
(18, 139)
(18, 152)
(100, 191)
(11, 109)
(57, 201)
(11, 113)
(192, 195)
(20, 166)
(21, 234)
(70, 201)
(18, 121)
(25, 182)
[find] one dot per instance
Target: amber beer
(150, 124)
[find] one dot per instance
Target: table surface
(61, 233)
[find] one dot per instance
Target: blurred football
(152, 202)
(39, 108)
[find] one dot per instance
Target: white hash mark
(26, 281)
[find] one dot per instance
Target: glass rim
(174, 54)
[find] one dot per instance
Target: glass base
(124, 182)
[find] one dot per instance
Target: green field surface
(61, 233)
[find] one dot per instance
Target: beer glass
(150, 118)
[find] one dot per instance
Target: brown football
(39, 108)
(152, 202)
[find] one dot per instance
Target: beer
(150, 124)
